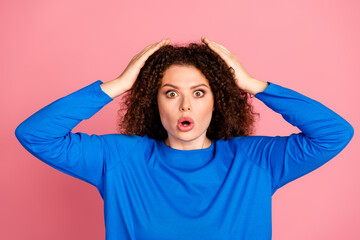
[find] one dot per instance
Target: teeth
(185, 123)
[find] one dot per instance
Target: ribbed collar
(186, 159)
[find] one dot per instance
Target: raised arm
(47, 133)
(323, 135)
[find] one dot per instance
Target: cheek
(163, 108)
(166, 113)
(208, 114)
(166, 106)
(207, 107)
(209, 111)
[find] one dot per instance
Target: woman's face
(186, 104)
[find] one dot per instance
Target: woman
(149, 104)
(186, 167)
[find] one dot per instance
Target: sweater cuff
(99, 92)
(268, 89)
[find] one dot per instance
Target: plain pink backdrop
(52, 48)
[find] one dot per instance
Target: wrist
(114, 88)
(255, 86)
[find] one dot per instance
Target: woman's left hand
(242, 78)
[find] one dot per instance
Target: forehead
(183, 75)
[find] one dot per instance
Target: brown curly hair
(233, 115)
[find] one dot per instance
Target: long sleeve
(323, 135)
(47, 135)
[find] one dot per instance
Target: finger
(144, 50)
(150, 49)
(153, 45)
(219, 46)
(216, 46)
(153, 48)
(205, 40)
(158, 45)
(219, 50)
(232, 70)
(222, 47)
(222, 51)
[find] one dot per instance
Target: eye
(199, 93)
(171, 94)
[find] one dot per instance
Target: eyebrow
(170, 85)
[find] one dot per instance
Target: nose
(185, 105)
(184, 108)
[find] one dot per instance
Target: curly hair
(233, 115)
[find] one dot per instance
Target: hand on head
(132, 70)
(240, 74)
(129, 75)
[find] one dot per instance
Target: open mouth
(185, 123)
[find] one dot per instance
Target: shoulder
(123, 148)
(242, 140)
(127, 142)
(245, 144)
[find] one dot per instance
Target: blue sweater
(152, 191)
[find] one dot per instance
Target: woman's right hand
(132, 70)
(125, 81)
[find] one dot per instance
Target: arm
(323, 135)
(47, 134)
(114, 88)
(255, 86)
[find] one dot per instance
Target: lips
(185, 124)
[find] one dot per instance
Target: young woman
(185, 166)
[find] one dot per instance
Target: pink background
(52, 48)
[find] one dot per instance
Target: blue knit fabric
(152, 191)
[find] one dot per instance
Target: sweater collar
(186, 159)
